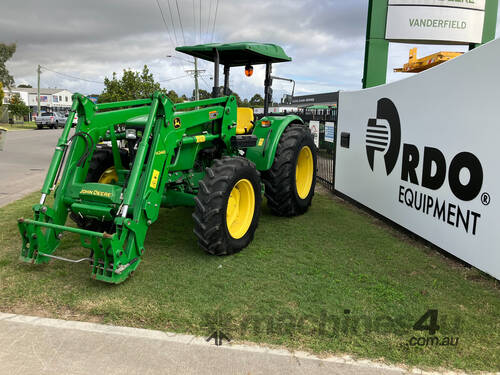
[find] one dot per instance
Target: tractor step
(244, 141)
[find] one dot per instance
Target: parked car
(50, 119)
(75, 119)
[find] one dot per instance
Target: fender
(268, 138)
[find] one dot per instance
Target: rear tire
(288, 192)
(39, 126)
(227, 207)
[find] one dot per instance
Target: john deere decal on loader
(208, 154)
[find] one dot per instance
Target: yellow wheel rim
(240, 208)
(304, 172)
(109, 176)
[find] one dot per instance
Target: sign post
(423, 21)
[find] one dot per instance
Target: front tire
(101, 170)
(227, 207)
(291, 180)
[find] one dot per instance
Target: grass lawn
(332, 281)
(25, 126)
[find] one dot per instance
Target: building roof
(33, 90)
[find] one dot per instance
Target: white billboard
(437, 24)
(475, 4)
(423, 152)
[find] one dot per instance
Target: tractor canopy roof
(238, 54)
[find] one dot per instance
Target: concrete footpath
(32, 345)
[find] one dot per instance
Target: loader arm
(172, 136)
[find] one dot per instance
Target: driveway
(24, 162)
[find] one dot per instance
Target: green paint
(166, 171)
(263, 155)
(376, 47)
(490, 20)
(238, 54)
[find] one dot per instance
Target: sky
(91, 39)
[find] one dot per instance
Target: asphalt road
(24, 162)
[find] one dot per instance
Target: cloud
(94, 38)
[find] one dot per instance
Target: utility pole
(196, 73)
(196, 90)
(38, 90)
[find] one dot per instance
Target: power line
(208, 18)
(194, 24)
(215, 19)
(171, 79)
(180, 21)
(165, 23)
(172, 20)
(206, 83)
(73, 77)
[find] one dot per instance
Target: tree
(6, 52)
(204, 94)
(17, 106)
(133, 85)
(257, 101)
(24, 86)
(239, 102)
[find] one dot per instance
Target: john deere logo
(383, 134)
(177, 122)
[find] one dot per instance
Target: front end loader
(126, 160)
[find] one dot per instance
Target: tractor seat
(244, 120)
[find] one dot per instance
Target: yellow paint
(240, 208)
(109, 176)
(154, 179)
(97, 193)
(244, 118)
(304, 172)
(416, 65)
(261, 141)
(200, 138)
(163, 152)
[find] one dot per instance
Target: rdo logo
(383, 134)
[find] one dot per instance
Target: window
(60, 98)
(66, 98)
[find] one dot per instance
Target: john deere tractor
(127, 159)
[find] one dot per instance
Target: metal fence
(326, 159)
(326, 151)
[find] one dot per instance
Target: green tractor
(127, 159)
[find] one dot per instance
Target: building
(54, 100)
(321, 107)
(328, 99)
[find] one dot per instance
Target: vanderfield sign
(444, 21)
